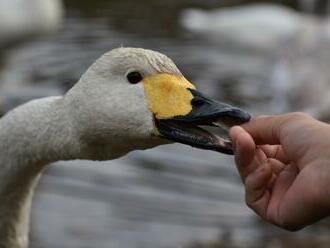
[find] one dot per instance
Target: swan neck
(31, 136)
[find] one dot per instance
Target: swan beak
(186, 129)
(179, 110)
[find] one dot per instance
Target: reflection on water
(172, 196)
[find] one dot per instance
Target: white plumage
(101, 117)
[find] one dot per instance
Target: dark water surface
(171, 196)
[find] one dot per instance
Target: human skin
(284, 163)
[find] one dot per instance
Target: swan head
(133, 98)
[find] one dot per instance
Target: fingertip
(234, 132)
(240, 137)
(244, 148)
(245, 143)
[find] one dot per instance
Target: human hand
(284, 162)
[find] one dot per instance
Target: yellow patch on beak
(168, 95)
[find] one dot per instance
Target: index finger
(265, 129)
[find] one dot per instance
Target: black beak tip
(240, 116)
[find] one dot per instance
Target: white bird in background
(20, 19)
(128, 99)
(257, 27)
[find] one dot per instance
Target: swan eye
(134, 77)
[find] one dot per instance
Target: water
(171, 196)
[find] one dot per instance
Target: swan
(260, 27)
(129, 99)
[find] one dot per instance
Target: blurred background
(263, 57)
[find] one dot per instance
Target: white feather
(101, 117)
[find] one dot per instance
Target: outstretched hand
(284, 163)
